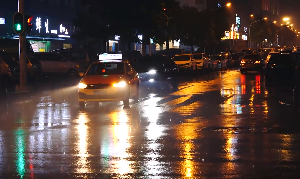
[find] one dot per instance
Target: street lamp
(286, 19)
(274, 22)
(265, 18)
(251, 15)
(228, 4)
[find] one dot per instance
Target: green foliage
(262, 29)
(162, 20)
(202, 28)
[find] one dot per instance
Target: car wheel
(82, 104)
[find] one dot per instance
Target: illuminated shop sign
(2, 21)
(43, 26)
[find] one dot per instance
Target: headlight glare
(82, 86)
(151, 72)
(120, 84)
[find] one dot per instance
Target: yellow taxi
(109, 80)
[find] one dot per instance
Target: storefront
(47, 34)
(51, 34)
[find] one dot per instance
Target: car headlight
(120, 84)
(151, 72)
(82, 86)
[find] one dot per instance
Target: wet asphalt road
(219, 125)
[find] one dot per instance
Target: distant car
(200, 60)
(34, 66)
(282, 65)
(217, 62)
(155, 67)
(9, 68)
(220, 60)
(252, 62)
(111, 80)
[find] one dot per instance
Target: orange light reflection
(82, 163)
(121, 131)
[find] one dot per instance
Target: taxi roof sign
(106, 56)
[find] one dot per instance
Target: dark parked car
(153, 68)
(282, 66)
(253, 62)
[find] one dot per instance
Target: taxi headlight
(82, 86)
(120, 84)
(151, 72)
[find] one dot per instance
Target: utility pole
(22, 49)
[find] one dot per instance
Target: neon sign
(47, 26)
(38, 23)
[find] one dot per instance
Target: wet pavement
(219, 125)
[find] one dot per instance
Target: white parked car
(185, 62)
(56, 63)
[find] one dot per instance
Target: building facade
(52, 22)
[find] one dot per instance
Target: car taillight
(243, 61)
(257, 61)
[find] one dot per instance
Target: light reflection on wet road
(220, 125)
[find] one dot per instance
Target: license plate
(99, 92)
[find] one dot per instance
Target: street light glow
(228, 4)
(265, 18)
(251, 15)
(274, 22)
(286, 19)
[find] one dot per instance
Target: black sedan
(155, 68)
(282, 66)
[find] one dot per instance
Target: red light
(165, 9)
(29, 20)
(103, 70)
(243, 61)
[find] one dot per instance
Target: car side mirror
(81, 74)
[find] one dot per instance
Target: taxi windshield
(110, 68)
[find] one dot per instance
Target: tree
(218, 20)
(262, 29)
(190, 22)
(286, 35)
(94, 25)
(171, 9)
